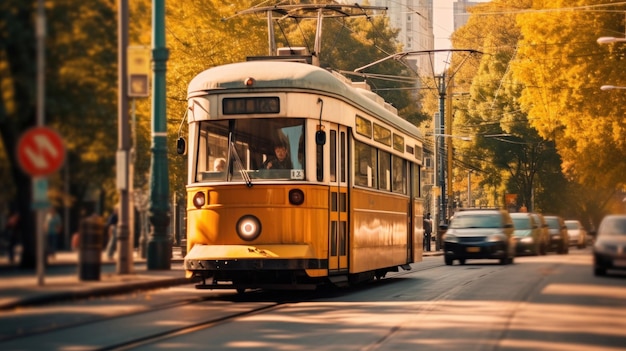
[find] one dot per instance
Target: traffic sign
(40, 151)
(138, 67)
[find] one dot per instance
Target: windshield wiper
(239, 164)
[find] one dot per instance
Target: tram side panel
(379, 236)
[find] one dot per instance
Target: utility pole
(440, 147)
(159, 253)
(449, 150)
(124, 256)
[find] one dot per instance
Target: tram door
(338, 245)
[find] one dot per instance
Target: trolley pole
(159, 245)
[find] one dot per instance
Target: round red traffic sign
(40, 151)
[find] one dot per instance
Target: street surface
(551, 302)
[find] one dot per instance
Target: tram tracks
(148, 323)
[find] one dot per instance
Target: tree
(562, 68)
(79, 99)
(514, 163)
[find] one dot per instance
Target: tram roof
(291, 75)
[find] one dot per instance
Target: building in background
(414, 19)
(461, 15)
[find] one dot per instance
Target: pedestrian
(53, 227)
(13, 231)
(428, 230)
(111, 227)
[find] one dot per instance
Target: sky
(442, 28)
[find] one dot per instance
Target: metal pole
(40, 32)
(448, 145)
(469, 188)
(124, 258)
(440, 146)
(270, 34)
(159, 245)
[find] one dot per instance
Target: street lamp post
(159, 245)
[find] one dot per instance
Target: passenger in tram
(219, 164)
(281, 160)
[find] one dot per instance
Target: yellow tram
(344, 204)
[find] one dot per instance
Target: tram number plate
(473, 249)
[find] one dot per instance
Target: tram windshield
(248, 149)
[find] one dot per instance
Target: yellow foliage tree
(562, 68)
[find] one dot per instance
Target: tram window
(342, 160)
(253, 141)
(416, 180)
(365, 165)
(363, 126)
(333, 155)
(382, 135)
(319, 152)
(398, 142)
(399, 175)
(384, 170)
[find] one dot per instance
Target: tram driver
(281, 158)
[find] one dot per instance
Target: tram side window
(333, 155)
(399, 172)
(365, 165)
(384, 171)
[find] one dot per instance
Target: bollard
(90, 252)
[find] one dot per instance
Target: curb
(65, 295)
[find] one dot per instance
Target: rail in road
(539, 303)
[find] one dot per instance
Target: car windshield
(553, 223)
(613, 226)
(572, 225)
(250, 150)
(522, 223)
(477, 221)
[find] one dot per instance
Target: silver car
(577, 233)
(609, 250)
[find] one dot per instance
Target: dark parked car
(609, 250)
(559, 240)
(527, 234)
(479, 234)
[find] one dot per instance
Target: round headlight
(199, 199)
(248, 227)
(296, 197)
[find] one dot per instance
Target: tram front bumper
(245, 258)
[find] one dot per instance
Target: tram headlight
(296, 197)
(199, 199)
(248, 227)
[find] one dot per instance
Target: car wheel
(462, 261)
(599, 271)
(504, 260)
(448, 261)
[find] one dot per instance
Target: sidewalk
(61, 280)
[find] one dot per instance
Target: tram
(343, 206)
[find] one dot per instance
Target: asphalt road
(551, 302)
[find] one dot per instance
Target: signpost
(40, 152)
